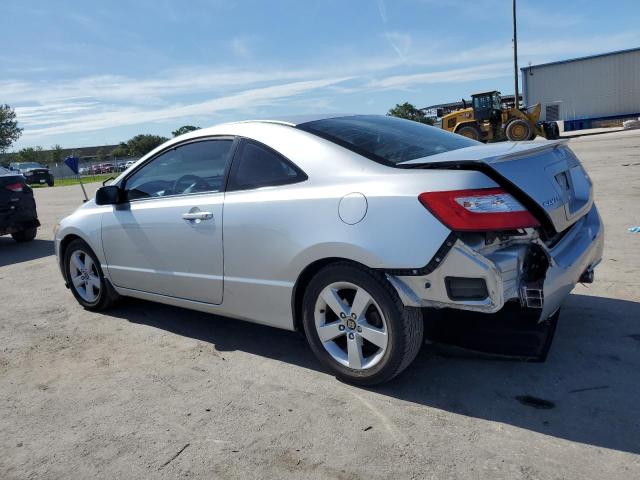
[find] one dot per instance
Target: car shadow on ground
(587, 391)
(12, 252)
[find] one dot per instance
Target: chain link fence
(93, 170)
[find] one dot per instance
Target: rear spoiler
(548, 145)
(491, 153)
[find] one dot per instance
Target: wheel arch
(303, 280)
(64, 244)
(69, 237)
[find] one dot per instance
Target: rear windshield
(3, 171)
(384, 139)
(28, 165)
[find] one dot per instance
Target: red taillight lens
(478, 210)
(15, 187)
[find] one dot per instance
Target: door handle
(197, 216)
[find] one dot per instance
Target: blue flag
(73, 163)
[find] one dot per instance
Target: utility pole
(515, 58)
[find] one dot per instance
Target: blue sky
(85, 73)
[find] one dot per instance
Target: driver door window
(196, 167)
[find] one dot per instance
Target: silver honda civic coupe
(355, 230)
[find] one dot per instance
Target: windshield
(26, 165)
(3, 171)
(385, 139)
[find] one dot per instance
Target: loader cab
(487, 106)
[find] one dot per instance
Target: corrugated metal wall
(589, 88)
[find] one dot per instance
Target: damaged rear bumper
(536, 275)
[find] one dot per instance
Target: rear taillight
(15, 187)
(478, 210)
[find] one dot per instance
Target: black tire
(518, 130)
(552, 131)
(106, 296)
(50, 183)
(405, 326)
(469, 131)
(25, 235)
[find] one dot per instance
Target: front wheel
(357, 326)
(518, 130)
(85, 277)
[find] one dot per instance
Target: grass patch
(62, 182)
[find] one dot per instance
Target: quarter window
(192, 168)
(259, 166)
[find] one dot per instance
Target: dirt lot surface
(149, 391)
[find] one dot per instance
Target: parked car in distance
(129, 164)
(33, 172)
(108, 168)
(18, 216)
(356, 230)
(101, 168)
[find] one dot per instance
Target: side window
(259, 166)
(192, 168)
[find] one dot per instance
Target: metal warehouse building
(586, 92)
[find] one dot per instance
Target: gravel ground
(150, 391)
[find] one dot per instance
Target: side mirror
(110, 195)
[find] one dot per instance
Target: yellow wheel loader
(487, 120)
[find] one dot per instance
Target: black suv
(18, 215)
(33, 172)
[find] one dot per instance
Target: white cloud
(382, 10)
(240, 46)
(494, 70)
(93, 103)
(400, 42)
(131, 116)
(51, 113)
(130, 89)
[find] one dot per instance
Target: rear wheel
(358, 327)
(25, 235)
(85, 277)
(50, 183)
(518, 130)
(469, 131)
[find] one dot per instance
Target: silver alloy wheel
(351, 325)
(84, 276)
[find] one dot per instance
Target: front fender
(85, 224)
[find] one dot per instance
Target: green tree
(184, 129)
(9, 131)
(101, 156)
(143, 144)
(408, 111)
(31, 154)
(122, 150)
(57, 153)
